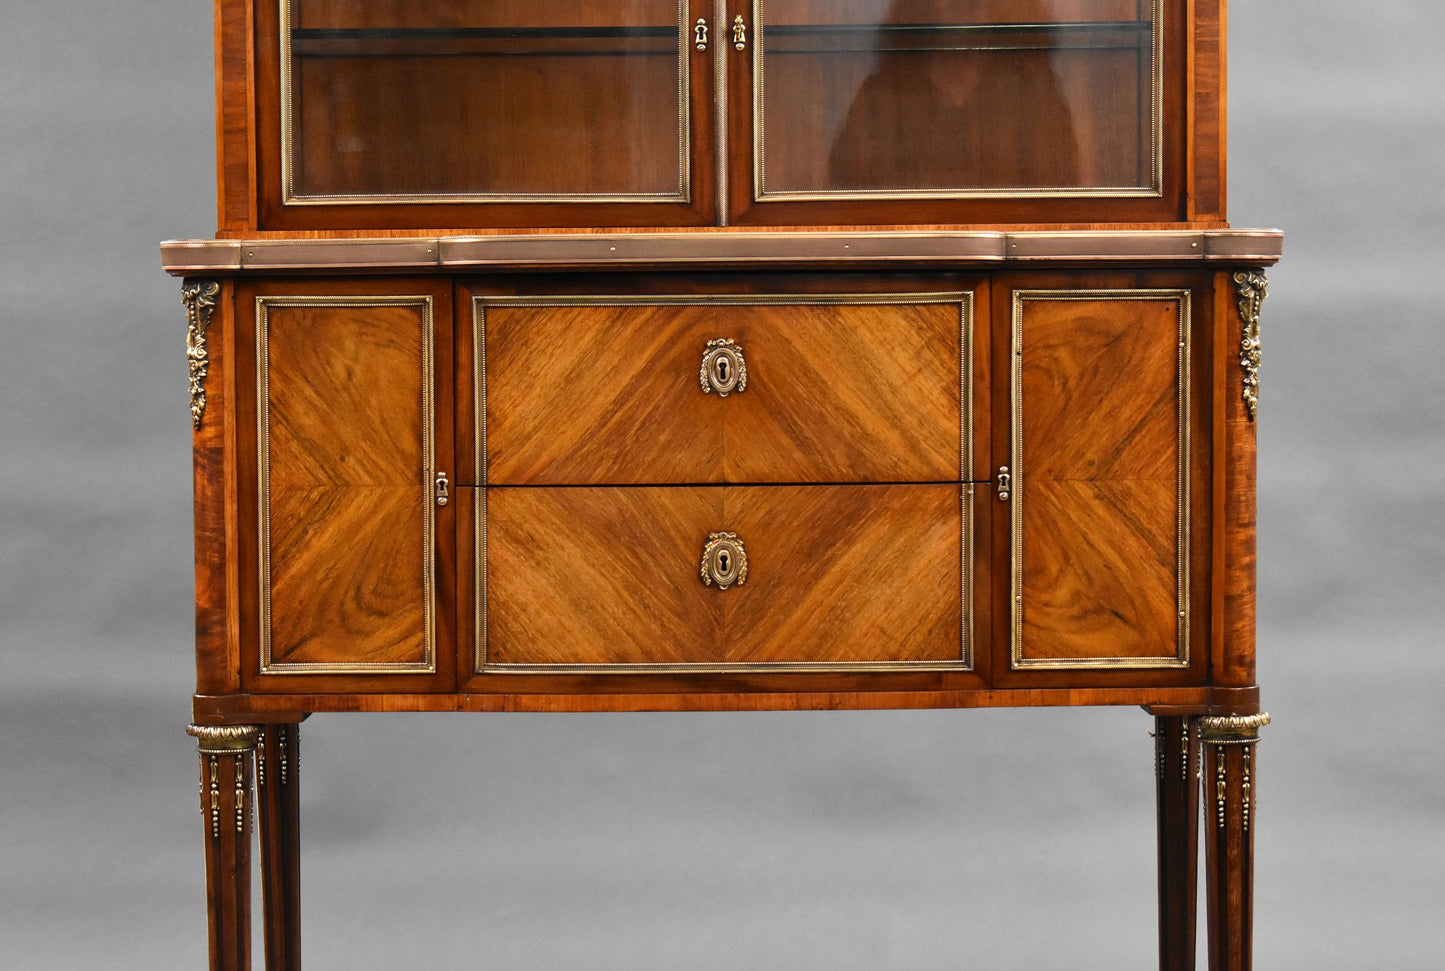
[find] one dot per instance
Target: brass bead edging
(1246, 795)
(1221, 788)
(1250, 287)
(224, 739)
(214, 802)
(1231, 729)
(1184, 752)
(199, 296)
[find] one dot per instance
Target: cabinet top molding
(1259, 247)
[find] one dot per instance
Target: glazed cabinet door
(345, 482)
(1101, 478)
(940, 111)
(429, 113)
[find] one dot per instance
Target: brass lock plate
(723, 368)
(724, 561)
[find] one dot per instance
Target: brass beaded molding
(224, 739)
(1231, 729)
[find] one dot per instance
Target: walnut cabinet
(678, 356)
(962, 480)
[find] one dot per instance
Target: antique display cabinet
(610, 355)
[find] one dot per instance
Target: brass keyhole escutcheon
(724, 561)
(740, 32)
(723, 368)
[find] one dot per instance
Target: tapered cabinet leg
(1231, 783)
(278, 792)
(226, 756)
(1176, 757)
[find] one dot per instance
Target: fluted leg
(1230, 786)
(1176, 756)
(226, 754)
(278, 792)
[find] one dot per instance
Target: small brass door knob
(724, 561)
(723, 368)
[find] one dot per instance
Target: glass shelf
(493, 41)
(903, 38)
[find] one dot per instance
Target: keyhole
(722, 562)
(722, 370)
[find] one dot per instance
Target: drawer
(820, 388)
(836, 577)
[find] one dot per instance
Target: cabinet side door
(349, 454)
(1099, 511)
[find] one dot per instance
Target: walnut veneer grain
(1100, 466)
(835, 392)
(347, 453)
(610, 576)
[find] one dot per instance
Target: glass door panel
(859, 99)
(506, 101)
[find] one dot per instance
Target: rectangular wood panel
(1100, 478)
(610, 578)
(346, 455)
(838, 388)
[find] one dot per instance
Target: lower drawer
(797, 577)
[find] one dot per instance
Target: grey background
(907, 840)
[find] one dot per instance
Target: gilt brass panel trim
(351, 253)
(723, 205)
(289, 196)
(732, 247)
(965, 301)
(1154, 190)
(183, 256)
(479, 466)
(776, 667)
(965, 474)
(757, 299)
(269, 665)
(1017, 661)
(938, 248)
(508, 250)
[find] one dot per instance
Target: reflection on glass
(504, 101)
(950, 98)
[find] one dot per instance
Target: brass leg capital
(225, 739)
(1232, 729)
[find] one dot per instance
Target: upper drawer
(583, 390)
